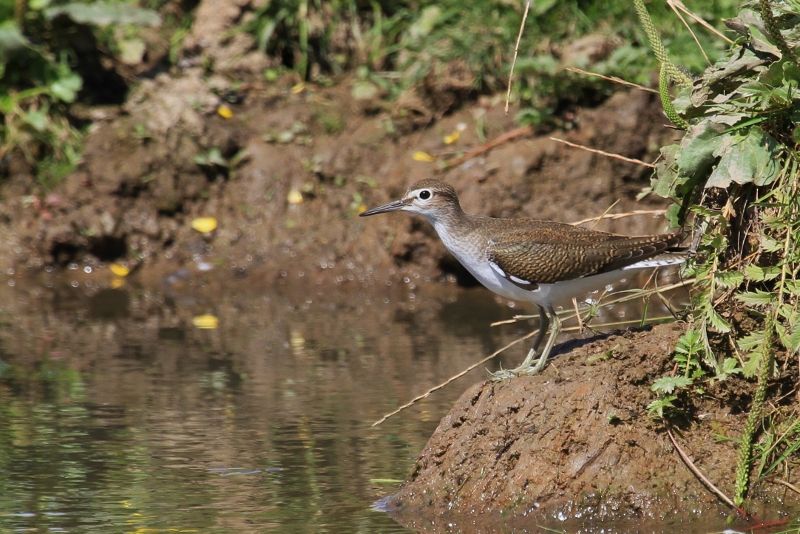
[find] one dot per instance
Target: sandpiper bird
(541, 262)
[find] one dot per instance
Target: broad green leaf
(668, 384)
(755, 298)
(698, 147)
(750, 159)
(105, 14)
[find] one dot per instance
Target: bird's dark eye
(424, 194)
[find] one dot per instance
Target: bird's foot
(522, 370)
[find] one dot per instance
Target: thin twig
(614, 79)
(516, 51)
(603, 215)
(699, 474)
(497, 353)
(614, 216)
(788, 485)
(604, 153)
(452, 378)
(639, 294)
(577, 314)
(691, 32)
(486, 147)
(679, 4)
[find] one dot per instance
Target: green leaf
(729, 279)
(769, 244)
(755, 298)
(759, 274)
(105, 14)
(66, 87)
(730, 366)
(792, 286)
(750, 159)
(751, 365)
(668, 384)
(658, 406)
(131, 50)
(665, 177)
(698, 147)
(751, 341)
(11, 39)
(36, 119)
(716, 321)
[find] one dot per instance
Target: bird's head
(432, 198)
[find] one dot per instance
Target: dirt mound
(285, 173)
(575, 448)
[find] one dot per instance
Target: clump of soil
(286, 175)
(575, 446)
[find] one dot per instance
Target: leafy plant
(39, 81)
(735, 175)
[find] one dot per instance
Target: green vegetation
(734, 176)
(46, 48)
(49, 49)
(401, 41)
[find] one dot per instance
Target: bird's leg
(526, 366)
(543, 325)
(555, 329)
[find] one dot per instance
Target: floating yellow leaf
(451, 138)
(294, 197)
(225, 112)
(419, 155)
(204, 225)
(119, 270)
(205, 322)
(298, 88)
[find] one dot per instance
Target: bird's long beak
(394, 205)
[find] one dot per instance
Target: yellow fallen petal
(119, 270)
(294, 197)
(204, 225)
(452, 138)
(225, 112)
(117, 283)
(205, 322)
(419, 155)
(298, 88)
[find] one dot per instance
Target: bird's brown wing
(533, 262)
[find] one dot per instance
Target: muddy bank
(575, 448)
(286, 169)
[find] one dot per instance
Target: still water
(129, 410)
(118, 412)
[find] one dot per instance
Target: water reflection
(116, 411)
